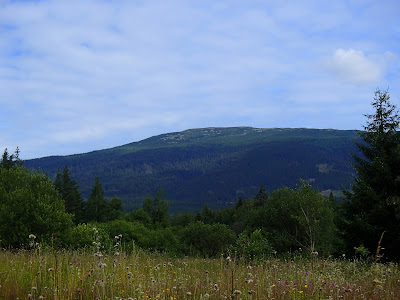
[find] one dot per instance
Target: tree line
(285, 221)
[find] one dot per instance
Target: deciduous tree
(30, 204)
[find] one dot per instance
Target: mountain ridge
(213, 165)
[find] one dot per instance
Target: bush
(207, 240)
(132, 233)
(252, 246)
(30, 204)
(83, 236)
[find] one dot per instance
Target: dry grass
(139, 275)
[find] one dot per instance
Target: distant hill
(213, 165)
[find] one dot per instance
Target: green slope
(213, 165)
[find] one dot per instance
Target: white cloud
(354, 67)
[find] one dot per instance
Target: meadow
(96, 274)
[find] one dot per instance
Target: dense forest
(288, 220)
(213, 166)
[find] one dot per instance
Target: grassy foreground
(87, 275)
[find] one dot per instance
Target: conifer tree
(58, 181)
(8, 161)
(373, 204)
(71, 195)
(96, 207)
(261, 198)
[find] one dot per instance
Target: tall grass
(91, 274)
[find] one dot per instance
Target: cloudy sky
(77, 76)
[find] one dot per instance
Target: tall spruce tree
(69, 191)
(373, 204)
(96, 208)
(261, 198)
(8, 161)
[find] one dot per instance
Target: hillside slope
(212, 165)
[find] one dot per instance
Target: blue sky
(77, 76)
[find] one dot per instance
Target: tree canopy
(29, 204)
(373, 203)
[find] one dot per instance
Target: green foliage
(140, 216)
(30, 204)
(133, 233)
(298, 218)
(261, 198)
(69, 192)
(98, 209)
(136, 234)
(254, 246)
(83, 236)
(8, 161)
(157, 208)
(208, 240)
(361, 251)
(115, 208)
(163, 240)
(373, 204)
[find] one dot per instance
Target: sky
(78, 76)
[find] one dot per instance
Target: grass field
(92, 274)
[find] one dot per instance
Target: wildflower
(305, 285)
(189, 294)
(79, 290)
(216, 288)
(206, 296)
(50, 269)
(102, 265)
(41, 297)
(32, 236)
(237, 292)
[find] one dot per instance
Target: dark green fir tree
(96, 208)
(69, 191)
(372, 207)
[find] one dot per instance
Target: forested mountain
(212, 165)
